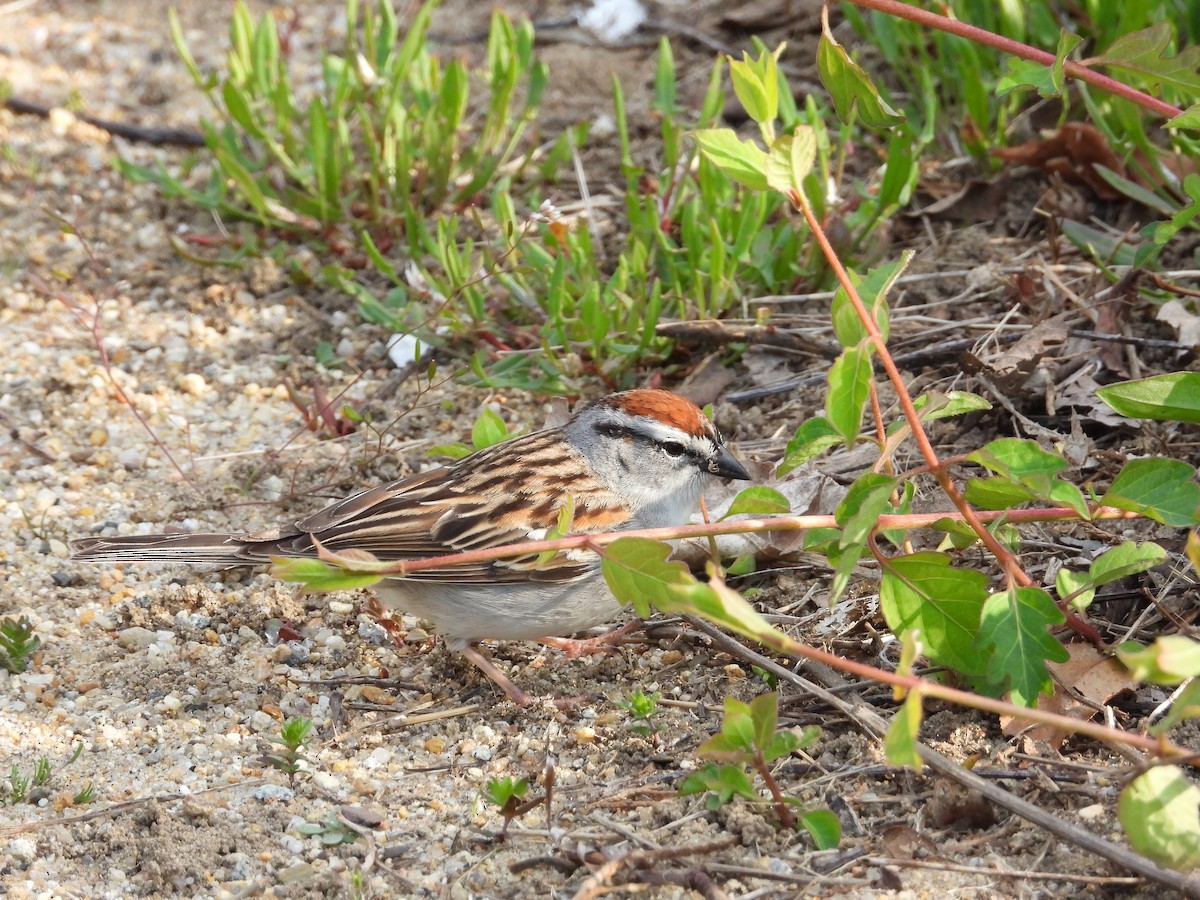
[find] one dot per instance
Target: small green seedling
(643, 708)
(331, 830)
(508, 794)
(770, 679)
(489, 429)
(749, 738)
(24, 788)
(287, 758)
(17, 644)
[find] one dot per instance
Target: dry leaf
(1185, 322)
(1087, 675)
(1072, 153)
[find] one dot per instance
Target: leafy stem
(1024, 51)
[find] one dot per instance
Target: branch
(1024, 51)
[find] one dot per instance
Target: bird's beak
(723, 465)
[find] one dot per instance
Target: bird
(635, 459)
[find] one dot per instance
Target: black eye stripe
(675, 449)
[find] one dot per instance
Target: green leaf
(1125, 559)
(725, 782)
(937, 405)
(1013, 637)
(1165, 231)
(239, 109)
(743, 161)
(756, 97)
(457, 450)
(1168, 661)
(922, 593)
(862, 506)
(1067, 42)
(804, 153)
(849, 388)
(759, 500)
(1066, 494)
(1174, 397)
(823, 827)
(812, 439)
(1162, 489)
(1017, 458)
(1026, 73)
(638, 572)
(1160, 812)
(489, 429)
(858, 513)
(1146, 52)
(317, 575)
(664, 79)
(996, 493)
(1104, 246)
(1189, 118)
(873, 290)
(900, 742)
(764, 711)
(736, 738)
(853, 92)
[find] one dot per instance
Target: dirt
(174, 682)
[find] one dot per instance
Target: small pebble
(192, 383)
(136, 638)
(273, 792)
(23, 849)
(326, 781)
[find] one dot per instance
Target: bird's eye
(673, 448)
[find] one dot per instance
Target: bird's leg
(606, 643)
(505, 683)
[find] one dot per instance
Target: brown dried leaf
(1087, 675)
(1072, 153)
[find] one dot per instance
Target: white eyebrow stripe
(656, 431)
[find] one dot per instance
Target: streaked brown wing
(469, 505)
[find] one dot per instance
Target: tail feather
(194, 549)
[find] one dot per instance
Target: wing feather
(468, 505)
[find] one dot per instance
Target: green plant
(22, 788)
(331, 830)
(509, 795)
(382, 148)
(291, 739)
(489, 429)
(643, 709)
(749, 737)
(696, 245)
(18, 643)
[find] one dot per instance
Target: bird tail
(195, 549)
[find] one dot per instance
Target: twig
(604, 878)
(1003, 873)
(118, 808)
(179, 137)
(711, 330)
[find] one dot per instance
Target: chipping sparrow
(636, 459)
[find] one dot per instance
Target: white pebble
(23, 849)
(380, 756)
(192, 383)
(136, 638)
(326, 781)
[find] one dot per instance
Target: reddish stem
(1024, 51)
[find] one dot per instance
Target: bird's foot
(606, 643)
